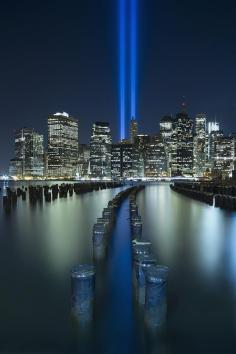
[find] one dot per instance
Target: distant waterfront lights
(4, 178)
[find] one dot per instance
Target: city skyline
(156, 126)
(181, 147)
(69, 67)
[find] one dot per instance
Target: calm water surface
(40, 244)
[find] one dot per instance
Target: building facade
(155, 161)
(100, 151)
(122, 164)
(29, 154)
(213, 127)
(62, 146)
(166, 131)
(83, 161)
(141, 142)
(133, 130)
(222, 155)
(182, 146)
(200, 145)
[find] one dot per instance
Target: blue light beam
(122, 65)
(133, 56)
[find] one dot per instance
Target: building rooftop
(63, 114)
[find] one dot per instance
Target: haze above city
(64, 58)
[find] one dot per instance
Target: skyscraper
(234, 155)
(222, 154)
(133, 129)
(213, 127)
(200, 145)
(116, 161)
(29, 154)
(182, 145)
(122, 160)
(166, 130)
(155, 163)
(83, 160)
(141, 140)
(100, 151)
(214, 138)
(140, 143)
(224, 161)
(62, 145)
(200, 125)
(127, 160)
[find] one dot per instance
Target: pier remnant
(156, 297)
(82, 291)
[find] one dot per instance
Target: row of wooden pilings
(83, 276)
(211, 187)
(186, 190)
(149, 278)
(209, 193)
(225, 202)
(48, 193)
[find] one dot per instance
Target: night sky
(62, 56)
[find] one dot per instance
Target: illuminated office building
(141, 140)
(16, 168)
(116, 158)
(155, 162)
(200, 125)
(83, 160)
(100, 151)
(62, 146)
(222, 154)
(133, 129)
(214, 139)
(182, 146)
(122, 160)
(200, 145)
(166, 128)
(127, 160)
(213, 127)
(166, 131)
(29, 154)
(140, 143)
(234, 155)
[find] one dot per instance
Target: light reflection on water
(39, 245)
(197, 242)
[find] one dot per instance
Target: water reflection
(39, 245)
(118, 325)
(209, 244)
(192, 239)
(231, 250)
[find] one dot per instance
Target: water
(117, 325)
(198, 243)
(39, 245)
